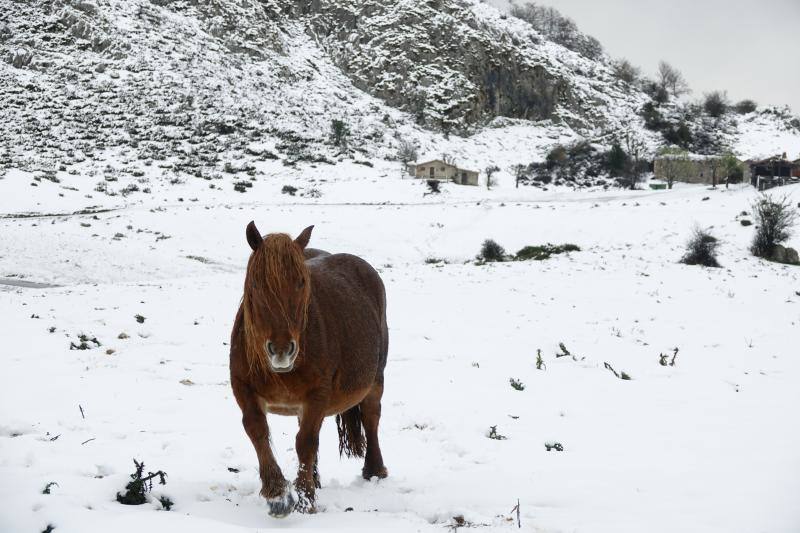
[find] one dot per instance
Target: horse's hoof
(305, 500)
(369, 473)
(283, 505)
(305, 505)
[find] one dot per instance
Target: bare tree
(715, 163)
(672, 80)
(775, 217)
(625, 71)
(673, 163)
(519, 173)
(490, 170)
(635, 148)
(406, 153)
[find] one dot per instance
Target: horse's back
(311, 253)
(348, 272)
(350, 293)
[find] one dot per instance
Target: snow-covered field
(711, 444)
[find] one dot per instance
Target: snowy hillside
(209, 90)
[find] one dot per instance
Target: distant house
(437, 169)
(698, 169)
(772, 171)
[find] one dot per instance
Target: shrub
(434, 187)
(542, 252)
(136, 489)
(701, 249)
(679, 136)
(575, 164)
(745, 106)
(716, 103)
(288, 189)
(657, 92)
(617, 161)
(774, 219)
(625, 71)
(492, 252)
(242, 186)
(653, 118)
(340, 132)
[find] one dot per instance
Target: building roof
(444, 163)
(433, 161)
(770, 160)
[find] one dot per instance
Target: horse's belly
(342, 402)
(283, 409)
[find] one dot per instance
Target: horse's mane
(278, 262)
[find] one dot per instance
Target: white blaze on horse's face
(281, 358)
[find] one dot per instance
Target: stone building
(437, 169)
(696, 169)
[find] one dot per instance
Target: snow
(117, 200)
(709, 445)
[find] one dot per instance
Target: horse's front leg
(307, 444)
(274, 488)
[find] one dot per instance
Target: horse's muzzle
(281, 360)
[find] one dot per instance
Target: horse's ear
(304, 237)
(253, 236)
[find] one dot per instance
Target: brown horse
(310, 340)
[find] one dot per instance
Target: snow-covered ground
(711, 444)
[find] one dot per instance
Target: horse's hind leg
(370, 418)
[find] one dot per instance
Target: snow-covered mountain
(200, 86)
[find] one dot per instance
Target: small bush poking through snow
(494, 435)
(433, 187)
(701, 249)
(492, 252)
(516, 384)
(542, 252)
(313, 192)
(774, 219)
(620, 375)
(539, 361)
(84, 342)
(288, 189)
(135, 490)
(557, 446)
(663, 358)
(242, 186)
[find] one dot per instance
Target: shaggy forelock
(272, 268)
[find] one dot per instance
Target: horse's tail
(351, 436)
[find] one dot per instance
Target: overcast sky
(751, 48)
